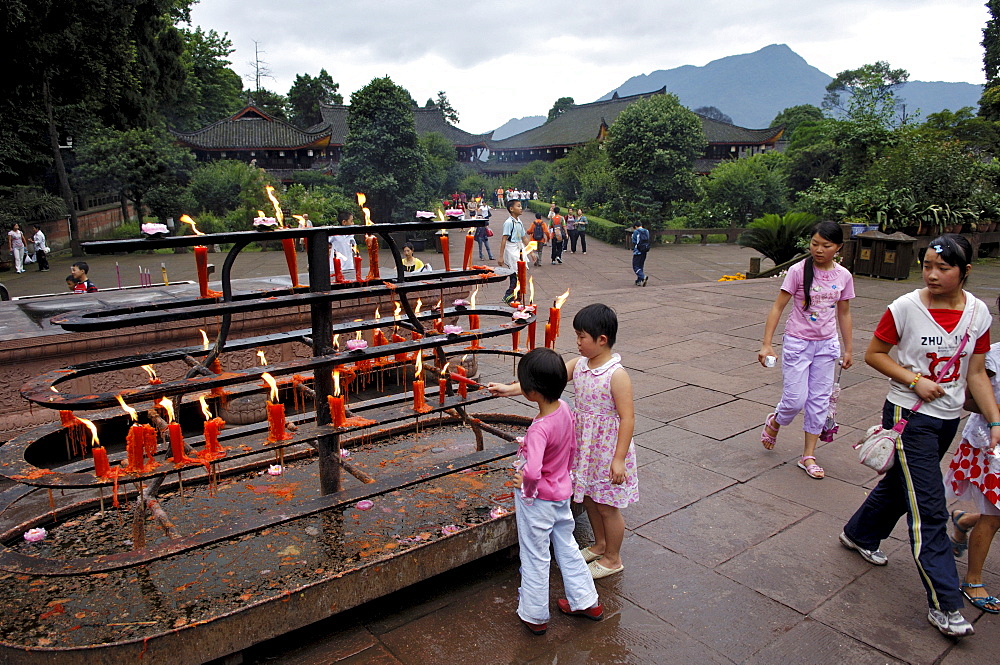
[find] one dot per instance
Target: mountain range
(753, 88)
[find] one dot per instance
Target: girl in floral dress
(605, 477)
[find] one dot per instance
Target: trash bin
(883, 255)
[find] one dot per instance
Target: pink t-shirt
(828, 288)
(548, 450)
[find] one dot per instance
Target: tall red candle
(176, 443)
(372, 242)
(212, 448)
(291, 260)
(463, 387)
(419, 403)
(442, 389)
(338, 271)
(515, 339)
(548, 335)
(135, 442)
(522, 277)
(276, 423)
(338, 412)
(102, 469)
(445, 254)
(531, 334)
(554, 323)
(467, 256)
(357, 268)
(201, 263)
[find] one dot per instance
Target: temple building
(282, 149)
(583, 123)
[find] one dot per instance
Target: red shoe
(535, 628)
(595, 613)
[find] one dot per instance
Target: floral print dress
(597, 437)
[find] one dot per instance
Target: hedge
(597, 227)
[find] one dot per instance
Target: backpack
(642, 243)
(538, 231)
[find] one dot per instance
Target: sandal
(589, 556)
(597, 571)
(812, 470)
(768, 440)
(958, 547)
(981, 602)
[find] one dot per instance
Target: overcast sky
(498, 60)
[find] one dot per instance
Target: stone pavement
(731, 555)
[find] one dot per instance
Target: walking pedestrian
(640, 248)
(41, 249)
(15, 243)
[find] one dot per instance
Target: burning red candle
(419, 403)
(212, 447)
(515, 339)
(372, 242)
(548, 335)
(379, 337)
(176, 443)
(135, 443)
(338, 272)
(554, 316)
(467, 256)
(531, 334)
(291, 260)
(522, 275)
(445, 254)
(275, 413)
(338, 412)
(399, 357)
(463, 386)
(102, 469)
(201, 263)
(442, 388)
(357, 267)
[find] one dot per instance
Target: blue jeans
(638, 262)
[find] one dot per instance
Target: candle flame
(419, 305)
(531, 246)
(336, 383)
(397, 310)
(204, 407)
(53, 389)
(561, 299)
(263, 358)
(260, 213)
(187, 220)
(336, 342)
(438, 306)
(128, 409)
(354, 248)
(204, 340)
(358, 335)
(440, 217)
(419, 367)
(444, 370)
(93, 431)
(169, 407)
(462, 361)
(362, 199)
(149, 370)
(377, 316)
(471, 231)
(517, 289)
(277, 206)
(274, 386)
(472, 298)
(531, 290)
(301, 220)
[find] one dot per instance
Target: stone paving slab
(811, 642)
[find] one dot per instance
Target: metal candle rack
(315, 430)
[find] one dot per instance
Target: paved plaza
(731, 555)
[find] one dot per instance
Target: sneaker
(535, 628)
(559, 259)
(645, 280)
(876, 557)
(638, 282)
(595, 613)
(509, 298)
(553, 263)
(952, 624)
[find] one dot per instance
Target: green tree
(989, 103)
(450, 114)
(382, 154)
(743, 189)
(777, 236)
(559, 108)
(307, 94)
(713, 113)
(794, 116)
(651, 149)
(131, 162)
(211, 90)
(866, 94)
(271, 103)
(224, 185)
(443, 172)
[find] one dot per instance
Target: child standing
(605, 478)
(512, 242)
(543, 504)
(821, 289)
(926, 329)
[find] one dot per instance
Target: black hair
(37, 225)
(344, 215)
(538, 215)
(955, 250)
(70, 278)
(556, 210)
(82, 265)
(597, 320)
(542, 371)
(826, 230)
(510, 204)
(410, 245)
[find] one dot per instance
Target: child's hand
(617, 474)
(500, 389)
(765, 351)
(848, 360)
(928, 390)
(518, 478)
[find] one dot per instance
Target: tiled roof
(250, 129)
(424, 119)
(582, 123)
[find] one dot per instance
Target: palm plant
(776, 236)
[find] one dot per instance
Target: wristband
(994, 424)
(913, 383)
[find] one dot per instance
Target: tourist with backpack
(557, 222)
(640, 247)
(539, 232)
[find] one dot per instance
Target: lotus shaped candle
(265, 223)
(275, 470)
(356, 344)
(521, 315)
(423, 214)
(35, 535)
(498, 512)
(450, 529)
(154, 229)
(452, 330)
(455, 213)
(364, 504)
(461, 302)
(344, 453)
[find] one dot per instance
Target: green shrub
(777, 236)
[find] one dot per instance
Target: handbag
(489, 232)
(877, 449)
